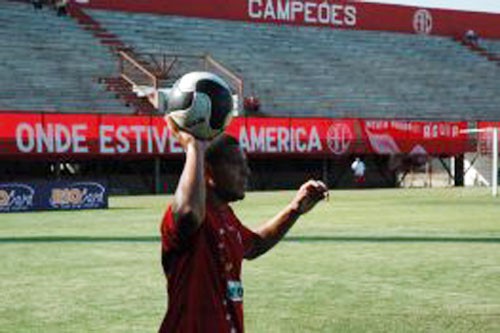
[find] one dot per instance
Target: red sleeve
(169, 231)
(248, 237)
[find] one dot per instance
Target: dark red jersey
(205, 292)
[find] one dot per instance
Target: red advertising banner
(34, 134)
(330, 13)
(414, 137)
(84, 134)
(312, 136)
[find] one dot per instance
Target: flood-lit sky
(491, 6)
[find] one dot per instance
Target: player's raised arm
(271, 232)
(190, 196)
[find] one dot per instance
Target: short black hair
(221, 148)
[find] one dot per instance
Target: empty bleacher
(48, 63)
(307, 71)
(491, 45)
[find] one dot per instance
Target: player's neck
(214, 199)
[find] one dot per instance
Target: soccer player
(204, 243)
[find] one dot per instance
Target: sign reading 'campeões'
(325, 13)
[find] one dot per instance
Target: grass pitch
(366, 261)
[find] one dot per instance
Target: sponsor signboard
(61, 195)
(17, 197)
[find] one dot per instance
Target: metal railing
(157, 71)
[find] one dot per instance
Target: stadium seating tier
(49, 63)
(308, 71)
(294, 71)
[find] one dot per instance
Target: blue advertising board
(59, 195)
(17, 197)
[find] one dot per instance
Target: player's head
(227, 169)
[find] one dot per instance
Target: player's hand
(308, 195)
(185, 139)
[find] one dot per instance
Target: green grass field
(366, 261)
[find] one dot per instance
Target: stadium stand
(48, 63)
(483, 47)
(307, 71)
(338, 73)
(492, 46)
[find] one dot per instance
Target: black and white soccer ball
(201, 103)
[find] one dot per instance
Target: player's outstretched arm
(189, 200)
(271, 232)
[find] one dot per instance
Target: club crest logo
(422, 22)
(339, 138)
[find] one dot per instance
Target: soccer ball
(201, 104)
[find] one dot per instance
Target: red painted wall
(332, 14)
